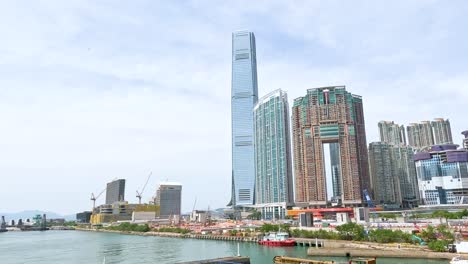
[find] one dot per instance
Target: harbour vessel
(280, 239)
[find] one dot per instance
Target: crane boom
(139, 194)
(94, 198)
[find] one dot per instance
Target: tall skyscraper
(169, 199)
(273, 172)
(385, 183)
(244, 95)
(115, 191)
(465, 140)
(328, 116)
(441, 175)
(426, 134)
(392, 133)
(442, 131)
(393, 174)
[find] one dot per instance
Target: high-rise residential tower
(385, 184)
(420, 135)
(426, 134)
(115, 191)
(442, 131)
(329, 116)
(244, 95)
(392, 133)
(273, 171)
(393, 175)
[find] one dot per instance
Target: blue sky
(93, 90)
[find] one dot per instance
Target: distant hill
(31, 213)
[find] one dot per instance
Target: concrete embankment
(357, 252)
(176, 235)
(338, 248)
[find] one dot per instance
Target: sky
(96, 90)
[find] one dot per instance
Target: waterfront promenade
(326, 247)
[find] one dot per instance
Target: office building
(329, 118)
(393, 175)
(273, 171)
(442, 131)
(426, 134)
(115, 191)
(392, 133)
(169, 199)
(442, 172)
(244, 95)
(465, 140)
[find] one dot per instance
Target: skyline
(82, 105)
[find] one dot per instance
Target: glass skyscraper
(244, 95)
(273, 171)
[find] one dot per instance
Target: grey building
(392, 133)
(420, 135)
(393, 174)
(169, 199)
(385, 184)
(442, 131)
(244, 95)
(83, 217)
(273, 165)
(425, 134)
(115, 191)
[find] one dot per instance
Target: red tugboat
(280, 239)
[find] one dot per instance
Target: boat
(280, 239)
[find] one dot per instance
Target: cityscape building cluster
(333, 165)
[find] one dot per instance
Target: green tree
(255, 215)
(351, 231)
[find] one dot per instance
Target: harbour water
(53, 247)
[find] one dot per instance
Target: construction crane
(139, 194)
(94, 198)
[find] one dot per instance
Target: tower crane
(94, 198)
(139, 194)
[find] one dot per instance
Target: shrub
(438, 245)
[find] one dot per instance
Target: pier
(233, 260)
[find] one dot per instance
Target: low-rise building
(465, 140)
(199, 216)
(108, 213)
(83, 217)
(442, 174)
